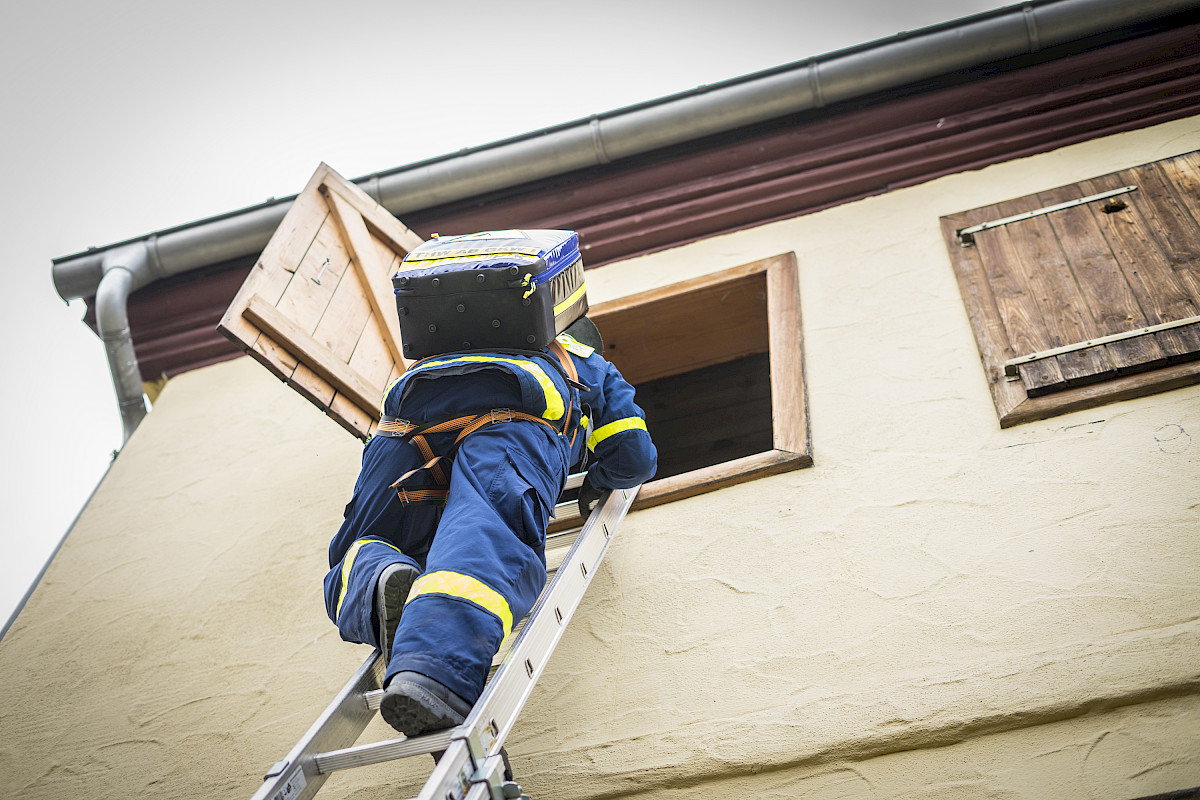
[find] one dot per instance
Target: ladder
(472, 766)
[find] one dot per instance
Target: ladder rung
(378, 752)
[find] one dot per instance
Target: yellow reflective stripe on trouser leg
(454, 584)
(348, 564)
(612, 428)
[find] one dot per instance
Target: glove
(589, 495)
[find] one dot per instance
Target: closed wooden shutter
(317, 308)
(1085, 293)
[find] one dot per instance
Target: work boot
(390, 594)
(415, 704)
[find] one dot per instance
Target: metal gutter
(812, 84)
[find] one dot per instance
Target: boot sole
(414, 710)
(390, 594)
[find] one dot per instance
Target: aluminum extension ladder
(472, 766)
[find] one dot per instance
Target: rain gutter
(111, 273)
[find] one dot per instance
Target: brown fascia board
(772, 171)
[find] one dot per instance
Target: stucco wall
(937, 608)
(932, 577)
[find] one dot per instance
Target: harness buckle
(501, 415)
(394, 426)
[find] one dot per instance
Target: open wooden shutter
(1093, 283)
(318, 309)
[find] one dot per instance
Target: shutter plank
(306, 214)
(370, 264)
(305, 301)
(1175, 230)
(343, 320)
(1018, 308)
(978, 294)
(373, 359)
(1111, 306)
(979, 300)
(350, 329)
(1059, 314)
(1146, 266)
(1041, 377)
(1184, 173)
(1180, 344)
(1189, 334)
(373, 355)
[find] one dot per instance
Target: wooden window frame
(791, 436)
(986, 292)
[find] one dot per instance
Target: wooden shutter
(318, 309)
(1086, 293)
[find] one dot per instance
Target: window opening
(717, 363)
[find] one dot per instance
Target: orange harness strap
(437, 465)
(568, 366)
(415, 433)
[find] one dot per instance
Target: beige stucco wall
(937, 608)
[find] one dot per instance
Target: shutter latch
(966, 236)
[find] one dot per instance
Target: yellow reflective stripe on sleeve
(454, 584)
(575, 295)
(612, 428)
(348, 564)
(555, 407)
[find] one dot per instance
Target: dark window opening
(710, 415)
(717, 363)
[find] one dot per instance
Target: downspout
(812, 84)
(122, 270)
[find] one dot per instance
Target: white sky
(126, 117)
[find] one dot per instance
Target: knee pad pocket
(519, 492)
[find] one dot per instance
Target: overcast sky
(123, 118)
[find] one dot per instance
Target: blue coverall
(482, 556)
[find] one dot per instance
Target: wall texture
(937, 608)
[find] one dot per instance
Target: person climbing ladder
(442, 548)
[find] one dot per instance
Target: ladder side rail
(478, 740)
(345, 718)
